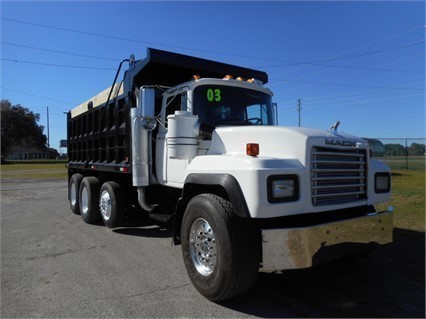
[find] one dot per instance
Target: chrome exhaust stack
(143, 122)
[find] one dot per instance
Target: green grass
(33, 170)
(416, 163)
(408, 198)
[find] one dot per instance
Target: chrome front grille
(338, 176)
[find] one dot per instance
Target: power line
(344, 67)
(369, 44)
(106, 36)
(359, 97)
(353, 67)
(268, 66)
(350, 57)
(332, 104)
(336, 103)
(376, 52)
(57, 65)
(61, 52)
(323, 82)
(39, 96)
(352, 95)
(350, 85)
(186, 48)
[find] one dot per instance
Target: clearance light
(250, 80)
(252, 149)
(240, 78)
(228, 77)
(196, 77)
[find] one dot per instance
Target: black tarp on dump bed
(170, 69)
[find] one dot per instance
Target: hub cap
(84, 201)
(73, 194)
(105, 205)
(202, 246)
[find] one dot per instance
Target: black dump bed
(170, 69)
(99, 134)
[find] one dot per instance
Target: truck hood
(279, 142)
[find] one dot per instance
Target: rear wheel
(89, 199)
(221, 251)
(73, 192)
(111, 204)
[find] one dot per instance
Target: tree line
(414, 149)
(19, 127)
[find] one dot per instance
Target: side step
(161, 217)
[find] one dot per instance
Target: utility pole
(299, 109)
(48, 135)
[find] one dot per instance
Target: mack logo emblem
(340, 142)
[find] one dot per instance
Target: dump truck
(195, 143)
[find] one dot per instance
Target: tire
(73, 192)
(221, 251)
(89, 200)
(111, 204)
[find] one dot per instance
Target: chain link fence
(400, 153)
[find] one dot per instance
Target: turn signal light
(252, 149)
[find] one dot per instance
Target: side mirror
(147, 98)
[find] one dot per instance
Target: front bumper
(303, 247)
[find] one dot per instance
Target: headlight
(382, 182)
(283, 188)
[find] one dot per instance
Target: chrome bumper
(292, 248)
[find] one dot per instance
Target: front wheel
(221, 251)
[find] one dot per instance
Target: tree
(416, 149)
(19, 127)
(395, 150)
(53, 153)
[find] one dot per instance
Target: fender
(228, 182)
(196, 184)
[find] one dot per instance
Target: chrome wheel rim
(202, 246)
(73, 194)
(105, 205)
(84, 201)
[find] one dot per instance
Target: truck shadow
(141, 226)
(388, 282)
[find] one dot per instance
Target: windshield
(227, 105)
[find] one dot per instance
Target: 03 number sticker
(214, 95)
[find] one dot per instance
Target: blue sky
(362, 63)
